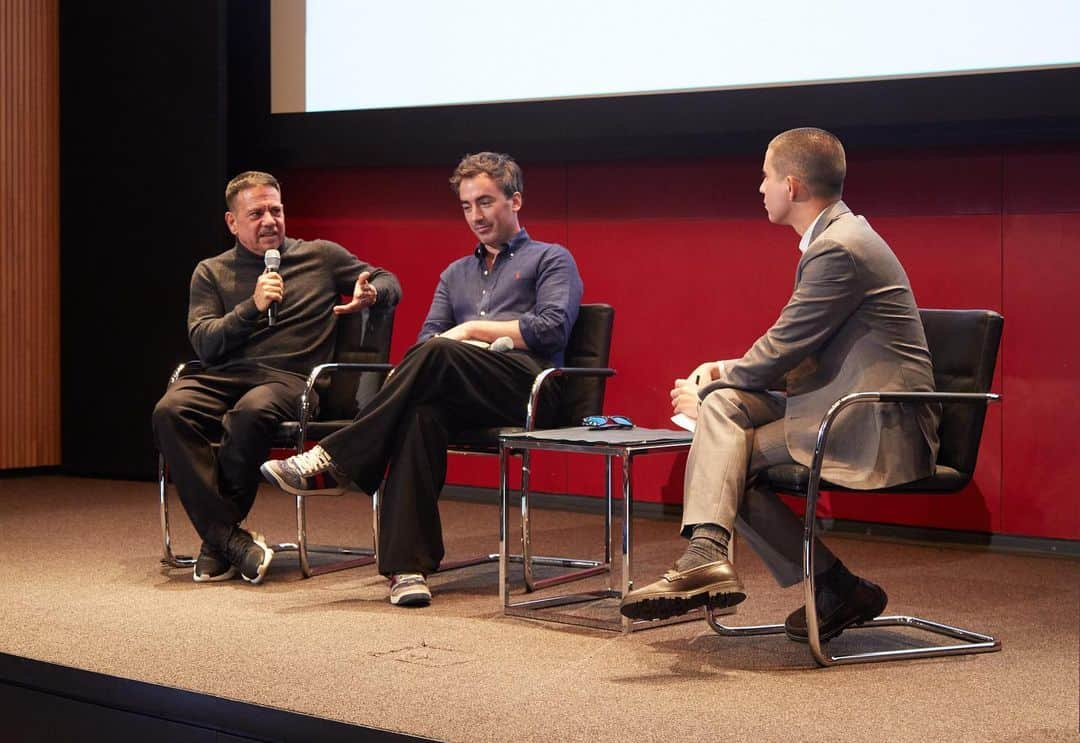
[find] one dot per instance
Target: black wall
(143, 167)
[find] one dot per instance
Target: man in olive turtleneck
(253, 371)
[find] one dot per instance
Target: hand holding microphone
(269, 288)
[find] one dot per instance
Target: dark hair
(500, 167)
(814, 156)
(248, 179)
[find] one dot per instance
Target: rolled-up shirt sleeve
(546, 328)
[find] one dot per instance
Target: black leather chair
(583, 378)
(963, 346)
(359, 366)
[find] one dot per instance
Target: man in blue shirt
(511, 292)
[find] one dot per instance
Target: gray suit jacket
(851, 325)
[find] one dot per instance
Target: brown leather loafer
(865, 602)
(680, 591)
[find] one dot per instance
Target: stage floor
(82, 587)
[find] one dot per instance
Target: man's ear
(515, 201)
(796, 189)
(230, 221)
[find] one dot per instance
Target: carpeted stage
(143, 648)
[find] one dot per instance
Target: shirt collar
(516, 242)
(807, 236)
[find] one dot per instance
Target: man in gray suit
(850, 325)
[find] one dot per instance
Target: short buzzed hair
(248, 179)
(500, 167)
(814, 156)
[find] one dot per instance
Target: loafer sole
(667, 604)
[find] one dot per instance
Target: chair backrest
(963, 347)
(361, 337)
(589, 346)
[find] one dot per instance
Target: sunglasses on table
(605, 422)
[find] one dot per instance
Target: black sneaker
(249, 553)
(212, 566)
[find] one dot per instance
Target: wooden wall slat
(29, 234)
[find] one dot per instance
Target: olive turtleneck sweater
(226, 328)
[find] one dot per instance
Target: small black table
(624, 444)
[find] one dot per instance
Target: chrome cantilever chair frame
(168, 557)
(363, 343)
(589, 342)
(360, 555)
(581, 568)
(972, 642)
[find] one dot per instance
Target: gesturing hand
(269, 288)
(364, 295)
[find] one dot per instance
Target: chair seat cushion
(285, 436)
(795, 479)
(484, 440)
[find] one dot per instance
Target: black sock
(837, 579)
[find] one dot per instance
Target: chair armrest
(967, 397)
(557, 371)
(323, 370)
(183, 368)
(856, 398)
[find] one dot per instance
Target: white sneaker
(409, 589)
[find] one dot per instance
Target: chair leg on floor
(361, 556)
(973, 642)
(168, 558)
(526, 526)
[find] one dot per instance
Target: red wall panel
(1041, 364)
(695, 271)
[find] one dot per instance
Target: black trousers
(440, 387)
(241, 408)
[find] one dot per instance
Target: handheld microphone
(502, 343)
(272, 258)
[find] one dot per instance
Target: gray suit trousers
(739, 434)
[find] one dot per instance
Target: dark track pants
(440, 387)
(241, 408)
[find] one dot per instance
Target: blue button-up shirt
(532, 282)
